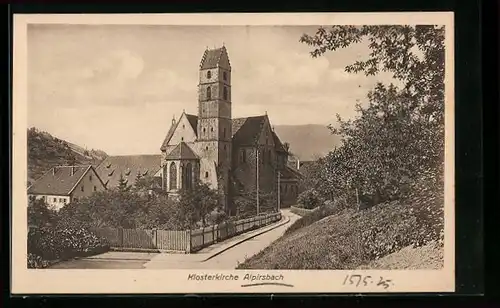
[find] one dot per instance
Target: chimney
(298, 163)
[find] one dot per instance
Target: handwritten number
(364, 280)
(356, 280)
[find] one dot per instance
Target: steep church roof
(192, 119)
(180, 152)
(211, 57)
(246, 131)
(128, 166)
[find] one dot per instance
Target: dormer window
(209, 74)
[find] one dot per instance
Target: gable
(183, 132)
(266, 133)
(59, 180)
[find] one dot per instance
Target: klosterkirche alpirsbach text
(232, 155)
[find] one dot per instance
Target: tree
(400, 133)
(122, 184)
(197, 203)
(39, 214)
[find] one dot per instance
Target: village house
(63, 184)
(232, 155)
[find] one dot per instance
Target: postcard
(233, 153)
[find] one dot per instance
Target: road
(228, 259)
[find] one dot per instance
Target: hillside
(307, 142)
(46, 151)
(386, 236)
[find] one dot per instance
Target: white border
(175, 281)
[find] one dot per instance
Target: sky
(116, 88)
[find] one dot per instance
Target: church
(232, 155)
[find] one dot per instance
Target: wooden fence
(301, 211)
(182, 241)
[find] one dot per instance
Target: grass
(348, 239)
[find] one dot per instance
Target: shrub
(309, 199)
(35, 261)
(306, 220)
(49, 244)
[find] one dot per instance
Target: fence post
(202, 236)
(155, 235)
(120, 236)
(213, 233)
(188, 241)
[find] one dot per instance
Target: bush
(306, 220)
(48, 244)
(35, 261)
(309, 199)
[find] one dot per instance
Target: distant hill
(46, 151)
(308, 142)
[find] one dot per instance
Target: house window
(75, 199)
(183, 126)
(83, 188)
(209, 93)
(224, 133)
(95, 188)
(206, 174)
(90, 177)
(209, 74)
(65, 201)
(61, 200)
(225, 147)
(182, 138)
(211, 129)
(225, 93)
(55, 200)
(224, 75)
(206, 148)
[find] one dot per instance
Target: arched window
(209, 74)
(224, 75)
(173, 176)
(206, 174)
(209, 93)
(225, 93)
(188, 176)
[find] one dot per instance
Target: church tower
(214, 119)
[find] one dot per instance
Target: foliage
(122, 184)
(246, 203)
(309, 199)
(47, 244)
(306, 220)
(197, 204)
(40, 215)
(399, 132)
(331, 238)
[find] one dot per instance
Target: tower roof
(181, 152)
(212, 57)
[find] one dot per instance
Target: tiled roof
(129, 166)
(59, 181)
(246, 131)
(193, 120)
(211, 58)
(181, 151)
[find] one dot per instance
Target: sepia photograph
(238, 153)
